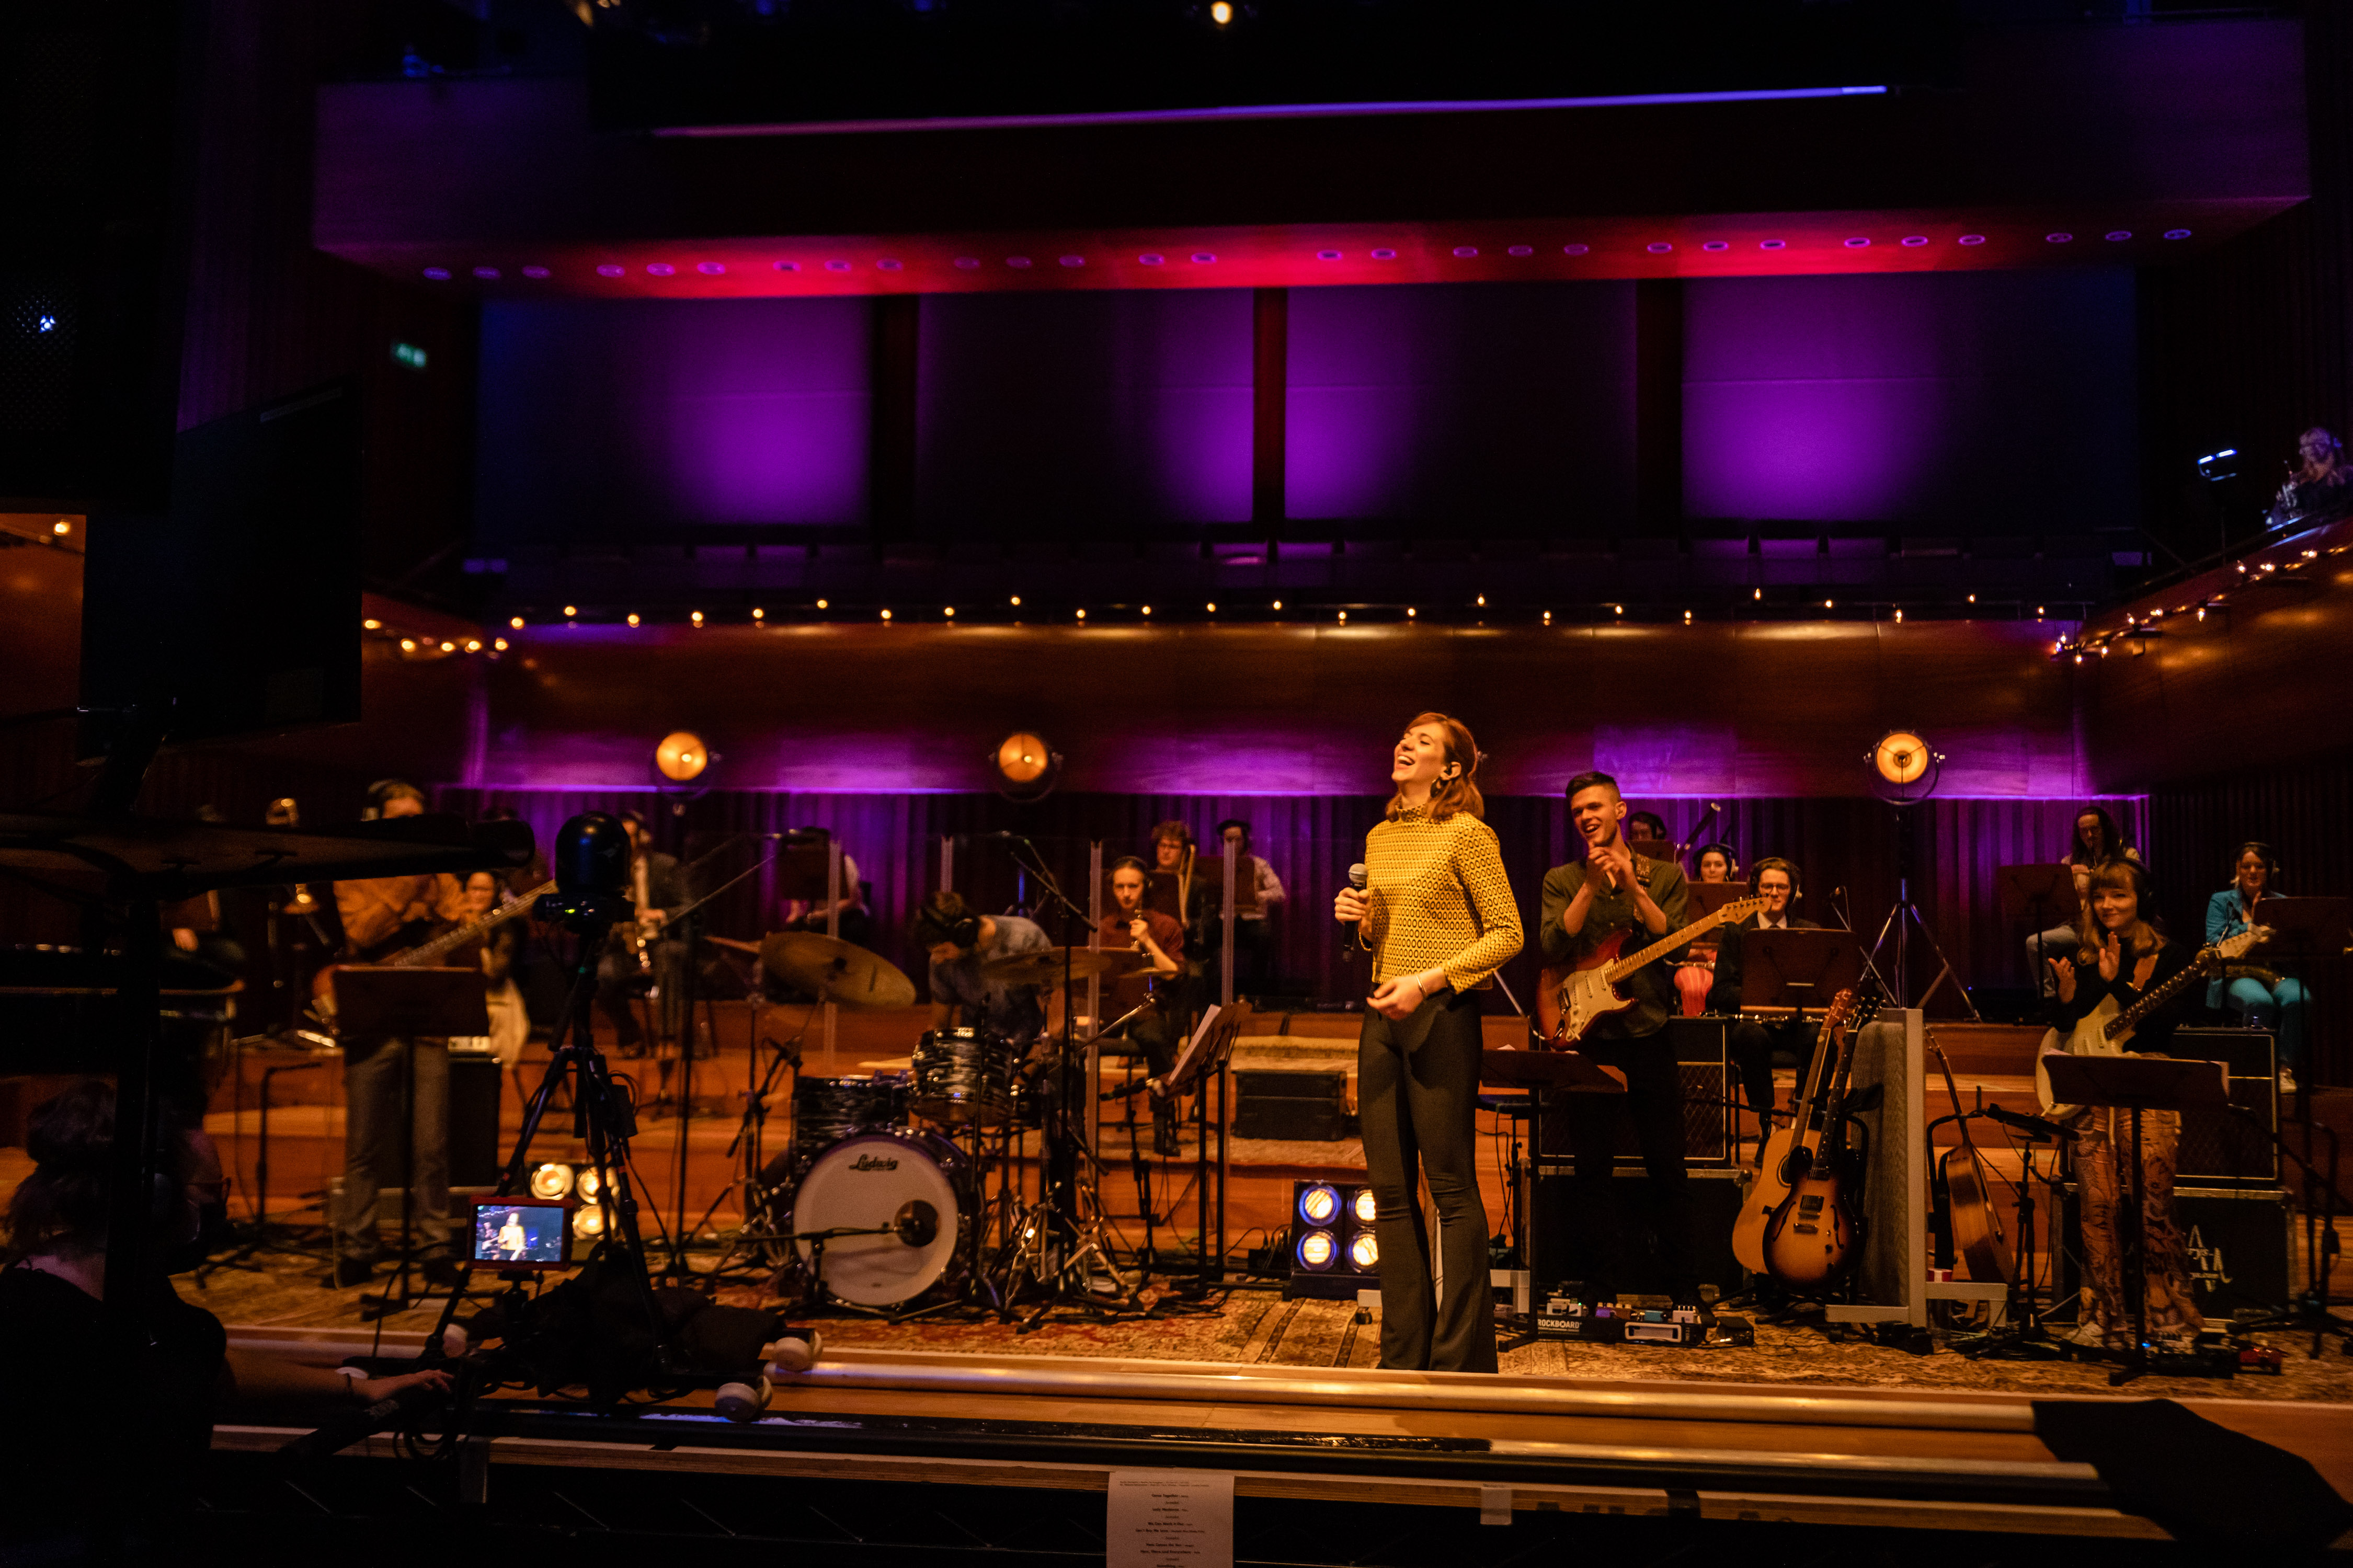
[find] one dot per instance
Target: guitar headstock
(1739, 909)
(1842, 1012)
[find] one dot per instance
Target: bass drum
(883, 1176)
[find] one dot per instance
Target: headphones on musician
(2264, 851)
(944, 917)
(1775, 863)
(382, 793)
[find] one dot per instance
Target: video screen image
(519, 1233)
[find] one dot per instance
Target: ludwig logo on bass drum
(871, 1162)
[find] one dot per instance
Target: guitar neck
(2131, 1016)
(1664, 946)
(425, 952)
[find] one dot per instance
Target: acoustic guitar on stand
(1570, 1001)
(424, 953)
(1813, 1233)
(1788, 1149)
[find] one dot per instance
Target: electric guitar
(1568, 1001)
(424, 953)
(1814, 1234)
(1788, 1150)
(2104, 1031)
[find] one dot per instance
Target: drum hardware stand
(750, 1142)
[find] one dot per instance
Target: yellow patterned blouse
(1438, 899)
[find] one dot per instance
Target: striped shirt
(1437, 899)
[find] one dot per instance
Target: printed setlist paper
(1169, 1519)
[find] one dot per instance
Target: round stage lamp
(1904, 767)
(1026, 765)
(1365, 1252)
(682, 756)
(1317, 1249)
(1365, 1209)
(551, 1181)
(588, 1224)
(1319, 1205)
(592, 1186)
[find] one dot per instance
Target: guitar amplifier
(475, 1081)
(2240, 1244)
(1701, 1048)
(2219, 1148)
(1303, 1107)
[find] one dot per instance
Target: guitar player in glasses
(1614, 889)
(383, 915)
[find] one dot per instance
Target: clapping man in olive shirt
(1614, 889)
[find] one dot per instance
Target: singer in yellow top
(1438, 915)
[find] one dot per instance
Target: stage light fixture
(588, 1224)
(1083, 614)
(1148, 609)
(551, 1181)
(1221, 12)
(62, 528)
(1409, 612)
(1364, 1251)
(1213, 606)
(1903, 760)
(590, 1185)
(1026, 766)
(373, 626)
(1318, 1250)
(2215, 468)
(758, 613)
(514, 623)
(1333, 1250)
(824, 605)
(886, 615)
(1364, 1208)
(1017, 601)
(1277, 604)
(571, 609)
(409, 645)
(949, 611)
(682, 757)
(633, 617)
(1319, 1205)
(697, 617)
(501, 645)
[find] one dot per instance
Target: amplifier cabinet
(1700, 1048)
(2219, 1148)
(1554, 1221)
(475, 1079)
(2240, 1244)
(1310, 1107)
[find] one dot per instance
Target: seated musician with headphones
(1754, 1042)
(1157, 1034)
(2264, 997)
(961, 941)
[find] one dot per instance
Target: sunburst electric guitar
(424, 953)
(1569, 1001)
(2107, 1029)
(1789, 1149)
(1813, 1235)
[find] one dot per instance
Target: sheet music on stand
(1789, 970)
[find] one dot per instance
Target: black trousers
(1602, 1240)
(1416, 1102)
(1752, 1046)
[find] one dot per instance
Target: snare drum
(964, 1076)
(826, 1109)
(883, 1178)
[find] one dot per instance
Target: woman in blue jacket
(2266, 1000)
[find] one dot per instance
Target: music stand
(1706, 898)
(2136, 1084)
(1791, 971)
(2041, 894)
(408, 1004)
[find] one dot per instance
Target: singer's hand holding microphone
(1351, 906)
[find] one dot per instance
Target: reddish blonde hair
(1460, 793)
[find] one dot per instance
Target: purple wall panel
(1082, 411)
(1507, 401)
(1982, 402)
(634, 414)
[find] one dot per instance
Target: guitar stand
(2022, 1336)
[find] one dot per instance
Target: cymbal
(1045, 967)
(836, 970)
(740, 946)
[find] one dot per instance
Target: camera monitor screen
(521, 1234)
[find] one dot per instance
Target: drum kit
(900, 1193)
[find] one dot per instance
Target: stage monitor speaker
(1700, 1046)
(1556, 1216)
(475, 1084)
(2241, 1246)
(2219, 1148)
(1303, 1107)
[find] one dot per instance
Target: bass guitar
(1788, 1150)
(2106, 1028)
(1814, 1234)
(1569, 1001)
(424, 953)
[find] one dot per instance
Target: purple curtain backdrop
(1935, 399)
(1845, 849)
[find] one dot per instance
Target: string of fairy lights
(2293, 565)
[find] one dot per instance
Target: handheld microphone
(1357, 877)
